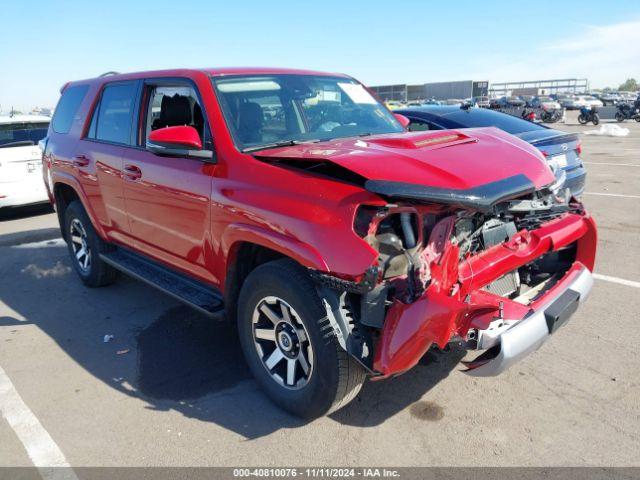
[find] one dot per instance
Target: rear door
(99, 156)
(168, 198)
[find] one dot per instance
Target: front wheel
(289, 343)
(85, 247)
(596, 119)
(619, 117)
(582, 120)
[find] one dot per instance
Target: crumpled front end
(498, 275)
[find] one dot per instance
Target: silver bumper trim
(527, 335)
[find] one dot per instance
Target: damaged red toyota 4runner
(296, 204)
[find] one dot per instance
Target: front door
(168, 198)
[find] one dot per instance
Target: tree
(631, 85)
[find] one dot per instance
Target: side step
(202, 297)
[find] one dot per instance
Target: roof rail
(107, 74)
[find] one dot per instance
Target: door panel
(168, 198)
(168, 201)
(99, 169)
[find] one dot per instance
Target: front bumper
(456, 301)
(524, 337)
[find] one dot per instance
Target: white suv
(21, 180)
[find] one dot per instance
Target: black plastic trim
(202, 297)
(481, 198)
(561, 309)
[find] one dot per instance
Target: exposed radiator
(505, 285)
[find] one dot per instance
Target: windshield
(263, 110)
(22, 133)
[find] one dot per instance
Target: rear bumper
(26, 191)
(526, 336)
(575, 182)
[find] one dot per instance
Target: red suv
(342, 245)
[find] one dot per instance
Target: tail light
(579, 149)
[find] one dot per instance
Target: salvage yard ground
(171, 387)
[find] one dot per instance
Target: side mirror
(178, 141)
(404, 121)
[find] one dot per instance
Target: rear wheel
(596, 119)
(85, 247)
(619, 117)
(289, 343)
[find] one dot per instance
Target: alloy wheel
(282, 343)
(80, 245)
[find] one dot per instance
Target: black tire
(94, 272)
(334, 379)
(582, 120)
(619, 117)
(596, 119)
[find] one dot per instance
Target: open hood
(472, 167)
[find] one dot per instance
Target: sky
(44, 44)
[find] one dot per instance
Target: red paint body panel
(458, 164)
(178, 136)
(169, 211)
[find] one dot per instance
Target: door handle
(80, 161)
(132, 172)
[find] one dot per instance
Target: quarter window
(67, 107)
(112, 117)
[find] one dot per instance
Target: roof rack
(107, 74)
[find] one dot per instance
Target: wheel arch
(67, 189)
(245, 247)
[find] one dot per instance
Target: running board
(195, 294)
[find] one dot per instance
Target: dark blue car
(562, 150)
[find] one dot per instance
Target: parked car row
(614, 97)
(576, 102)
(552, 101)
(480, 101)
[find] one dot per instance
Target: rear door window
(67, 107)
(112, 117)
